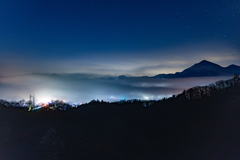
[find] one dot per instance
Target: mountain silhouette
(204, 69)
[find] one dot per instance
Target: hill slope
(176, 128)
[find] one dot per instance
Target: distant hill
(45, 74)
(204, 69)
(201, 69)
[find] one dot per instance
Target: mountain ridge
(204, 69)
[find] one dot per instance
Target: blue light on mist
(123, 98)
(74, 90)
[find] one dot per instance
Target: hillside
(174, 128)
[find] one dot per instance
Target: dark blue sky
(111, 37)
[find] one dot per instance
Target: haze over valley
(81, 88)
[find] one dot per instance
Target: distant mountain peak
(205, 61)
(204, 69)
(233, 66)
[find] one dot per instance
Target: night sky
(96, 38)
(133, 38)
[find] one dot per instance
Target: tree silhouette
(51, 145)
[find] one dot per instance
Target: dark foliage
(51, 145)
(174, 128)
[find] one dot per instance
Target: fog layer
(75, 89)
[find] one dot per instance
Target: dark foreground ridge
(174, 128)
(201, 91)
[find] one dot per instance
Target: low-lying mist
(73, 88)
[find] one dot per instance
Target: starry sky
(116, 37)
